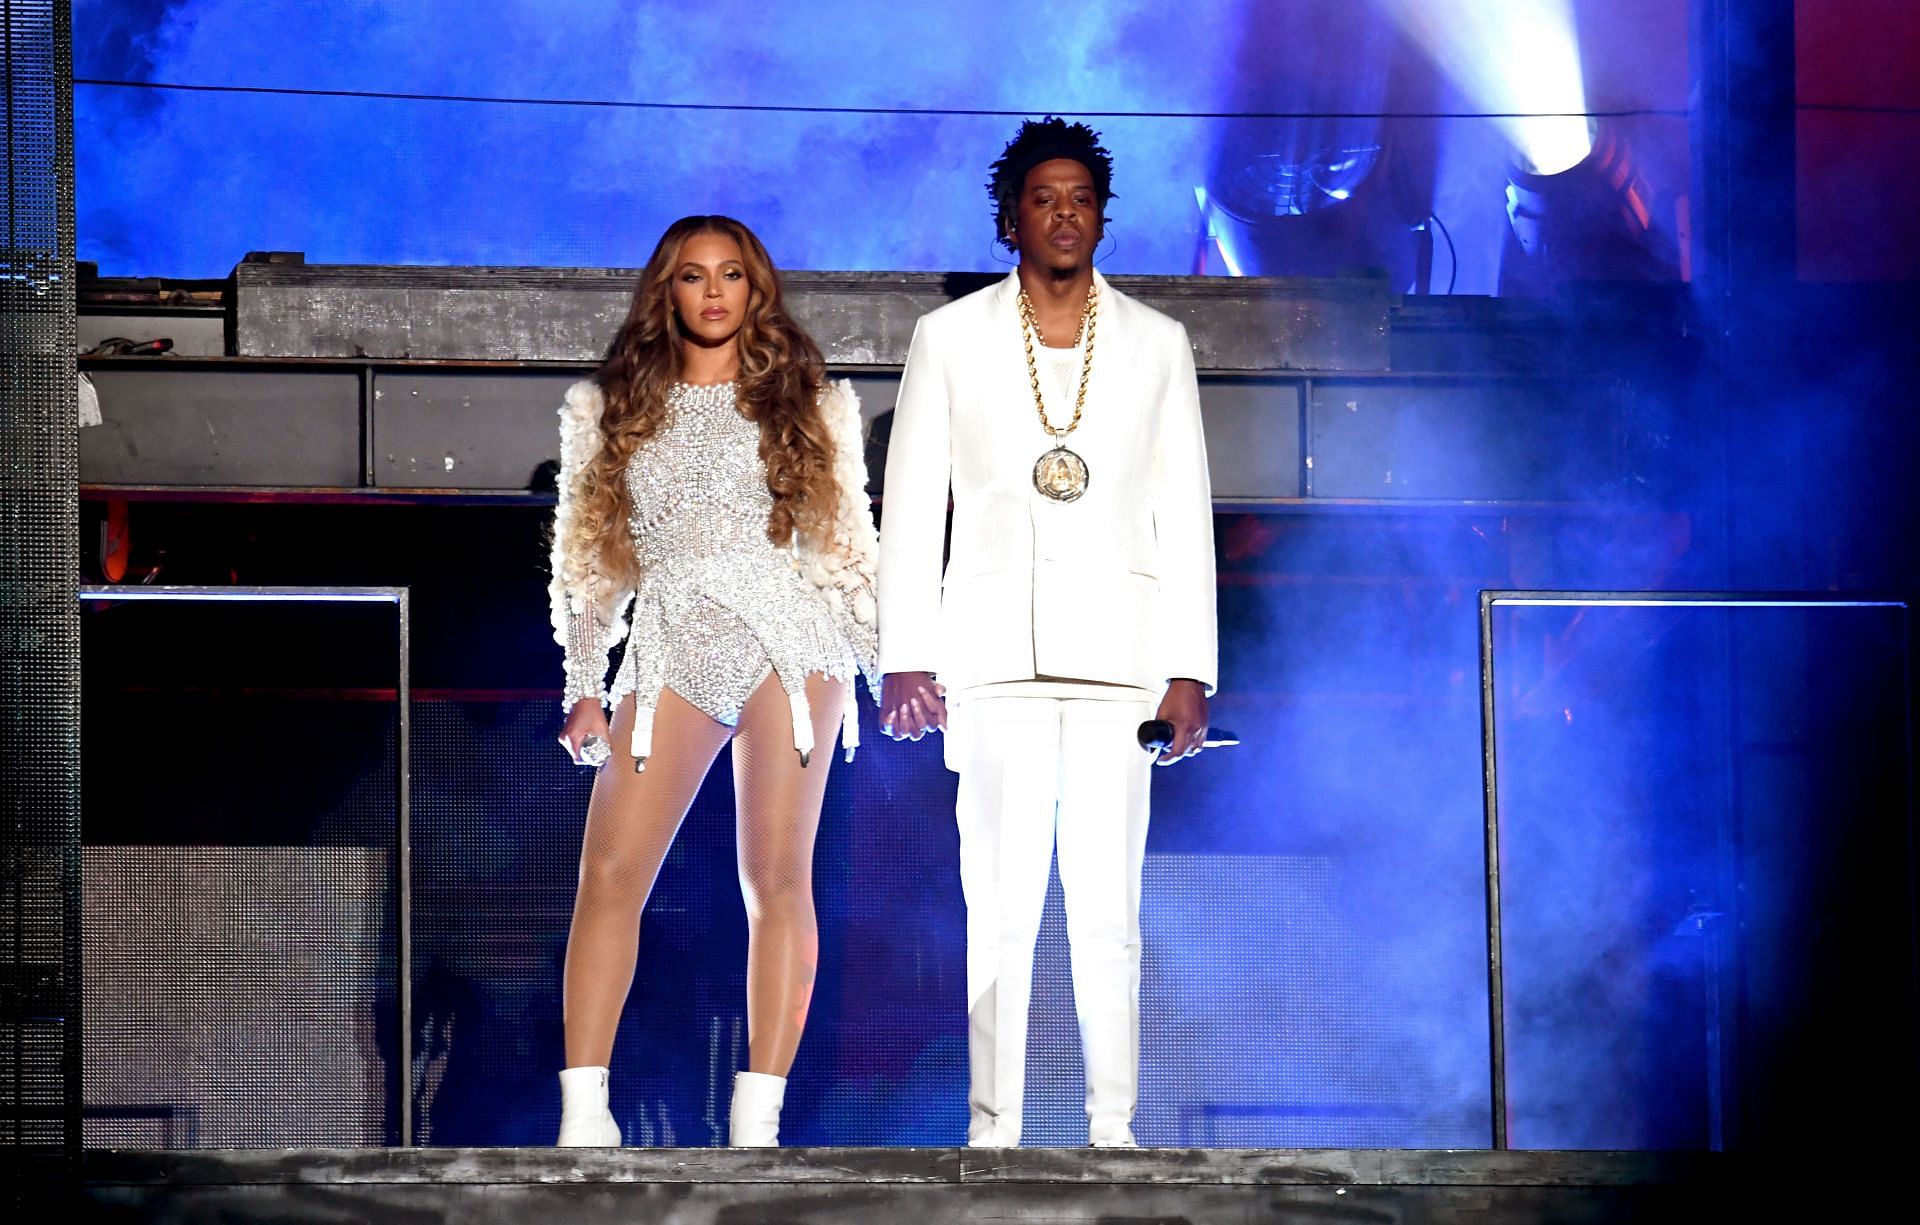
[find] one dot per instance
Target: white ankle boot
(585, 1121)
(753, 1121)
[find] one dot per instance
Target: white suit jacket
(1117, 586)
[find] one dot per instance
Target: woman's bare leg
(631, 821)
(778, 804)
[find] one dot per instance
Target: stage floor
(921, 1186)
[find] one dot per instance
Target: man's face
(1057, 219)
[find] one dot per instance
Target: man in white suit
(1078, 601)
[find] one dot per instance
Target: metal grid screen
(242, 866)
(39, 647)
(1270, 1031)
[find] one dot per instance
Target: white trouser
(1031, 766)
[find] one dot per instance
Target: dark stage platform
(733, 1187)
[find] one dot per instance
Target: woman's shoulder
(583, 401)
(580, 411)
(839, 395)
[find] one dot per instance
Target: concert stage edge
(858, 1186)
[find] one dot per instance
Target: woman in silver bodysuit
(712, 497)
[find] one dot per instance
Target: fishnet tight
(631, 822)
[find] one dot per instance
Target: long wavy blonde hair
(781, 376)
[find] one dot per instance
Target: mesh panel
(1264, 1017)
(239, 871)
(235, 995)
(241, 986)
(39, 678)
(1261, 1023)
(497, 815)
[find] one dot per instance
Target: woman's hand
(585, 719)
(911, 705)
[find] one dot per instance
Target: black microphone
(1156, 734)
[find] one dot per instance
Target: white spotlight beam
(1519, 58)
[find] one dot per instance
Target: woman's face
(710, 289)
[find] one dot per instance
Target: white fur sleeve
(857, 541)
(583, 607)
(845, 570)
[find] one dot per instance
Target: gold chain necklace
(1059, 473)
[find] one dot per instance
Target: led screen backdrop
(731, 107)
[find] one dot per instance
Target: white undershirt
(1063, 389)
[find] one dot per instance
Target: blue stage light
(1274, 185)
(1594, 221)
(1311, 211)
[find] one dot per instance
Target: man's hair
(1039, 141)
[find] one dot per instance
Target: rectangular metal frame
(1496, 975)
(403, 760)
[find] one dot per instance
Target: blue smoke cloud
(182, 184)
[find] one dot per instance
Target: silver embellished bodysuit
(719, 606)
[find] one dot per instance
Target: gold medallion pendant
(1060, 475)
